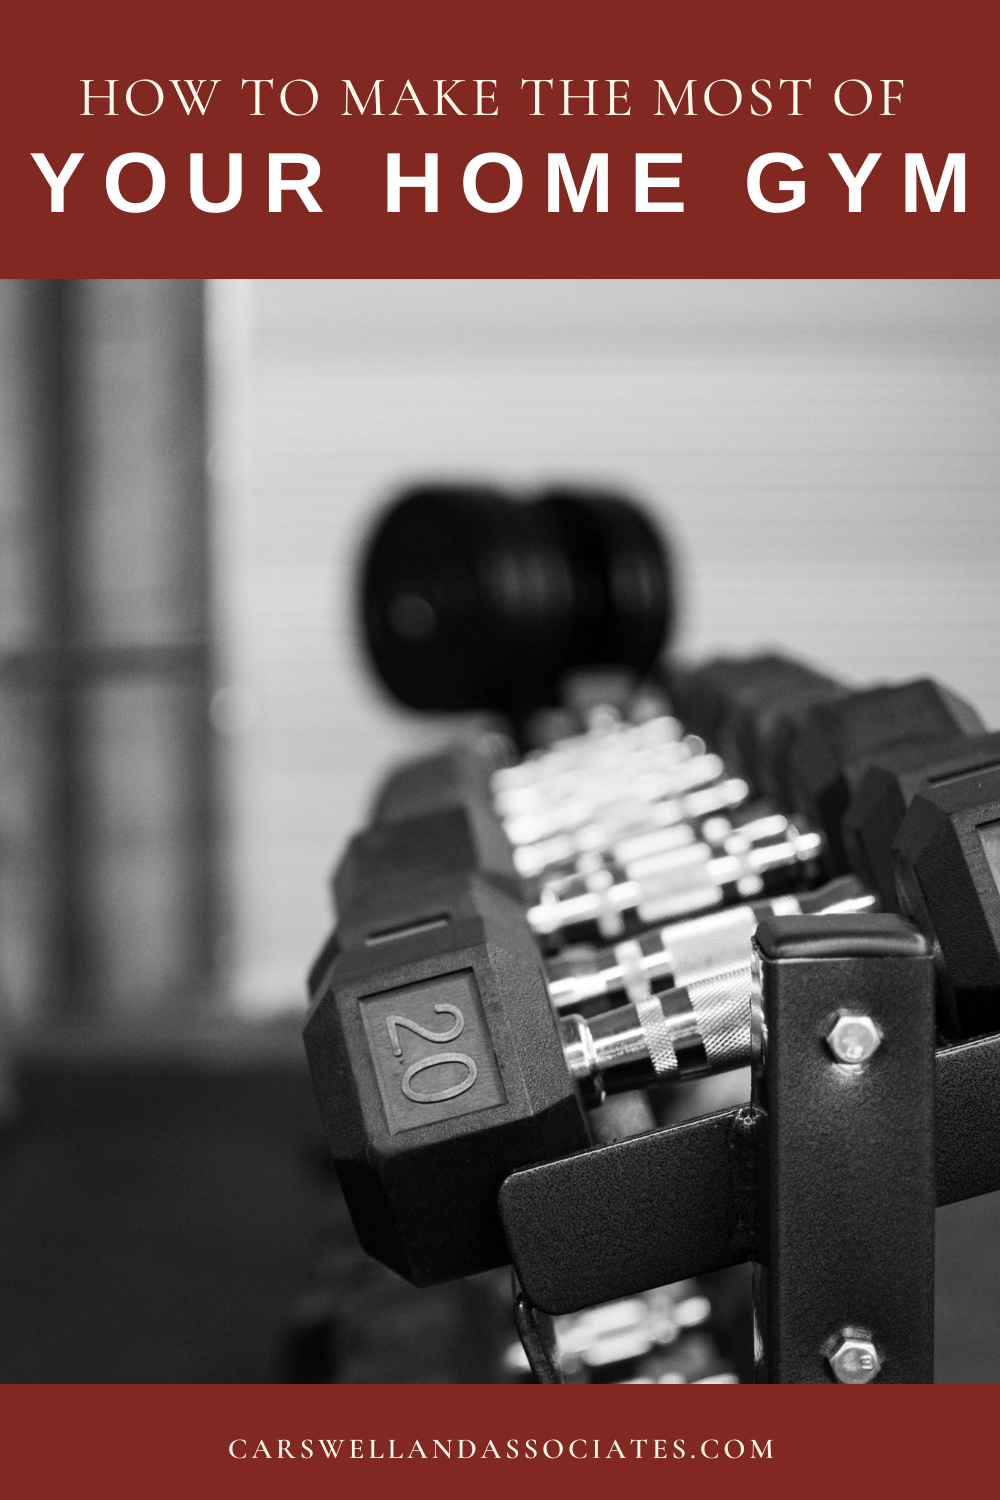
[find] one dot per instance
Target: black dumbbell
(420, 912)
(617, 887)
(382, 864)
(585, 979)
(921, 831)
(441, 1066)
(888, 787)
(460, 776)
(807, 740)
(841, 738)
(858, 762)
(462, 809)
(912, 829)
(439, 1069)
(423, 902)
(474, 600)
(607, 899)
(947, 861)
(748, 709)
(432, 818)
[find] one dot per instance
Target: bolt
(854, 1361)
(854, 1039)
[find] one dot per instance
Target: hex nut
(854, 1039)
(855, 1361)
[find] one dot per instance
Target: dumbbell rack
(827, 1180)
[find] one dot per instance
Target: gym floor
(175, 1219)
(169, 1217)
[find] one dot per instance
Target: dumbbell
(608, 811)
(812, 740)
(572, 804)
(435, 1016)
(585, 980)
(886, 791)
(684, 859)
(675, 1003)
(439, 1070)
(676, 881)
(476, 600)
(613, 787)
(459, 776)
(749, 709)
(459, 834)
(636, 883)
(413, 849)
(691, 788)
(841, 738)
(903, 782)
(630, 828)
(612, 900)
(409, 899)
(441, 1067)
(623, 796)
(658, 1019)
(927, 833)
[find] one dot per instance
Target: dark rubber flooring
(170, 1219)
(179, 1221)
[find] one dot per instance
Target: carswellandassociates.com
(513, 1447)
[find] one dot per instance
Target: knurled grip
(711, 944)
(721, 1003)
(656, 1031)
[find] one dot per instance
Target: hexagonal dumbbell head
(768, 727)
(458, 777)
(388, 862)
(840, 740)
(748, 707)
(701, 695)
(438, 1067)
(878, 807)
(947, 854)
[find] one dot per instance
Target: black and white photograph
(499, 831)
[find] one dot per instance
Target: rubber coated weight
(749, 709)
(458, 777)
(473, 600)
(947, 855)
(623, 593)
(385, 864)
(841, 739)
(876, 812)
(438, 1067)
(465, 601)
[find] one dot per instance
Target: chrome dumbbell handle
(698, 1028)
(671, 955)
(696, 879)
(632, 829)
(581, 751)
(616, 796)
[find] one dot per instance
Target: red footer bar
(444, 1440)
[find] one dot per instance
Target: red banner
(532, 139)
(495, 1440)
